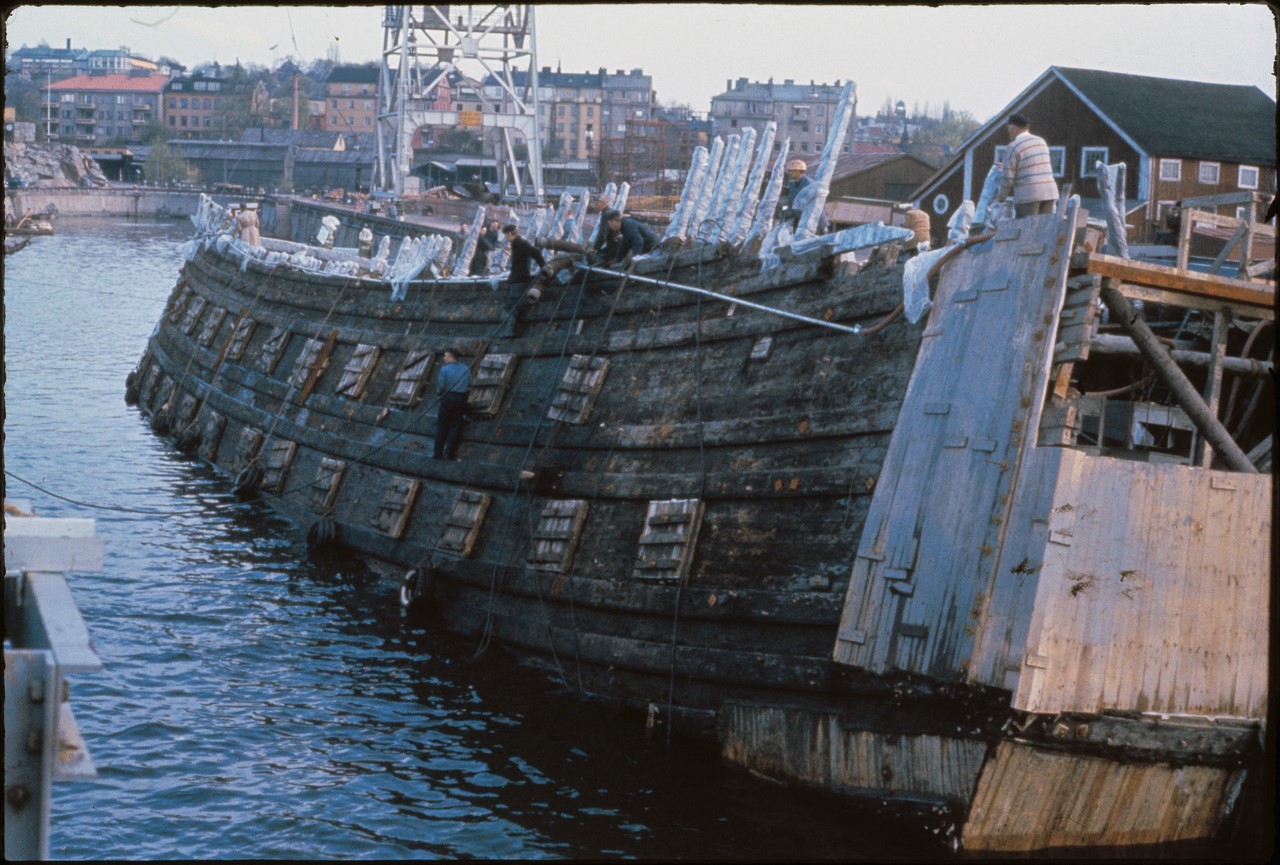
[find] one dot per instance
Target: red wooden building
(1177, 139)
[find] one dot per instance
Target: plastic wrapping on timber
(573, 230)
(746, 209)
(764, 215)
(620, 200)
(707, 225)
(1111, 188)
(960, 222)
(702, 201)
(468, 249)
(733, 192)
(554, 230)
(812, 213)
(982, 213)
(915, 283)
(698, 168)
(609, 195)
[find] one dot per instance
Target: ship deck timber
(723, 517)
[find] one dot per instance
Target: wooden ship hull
(908, 563)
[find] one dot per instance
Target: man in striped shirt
(1028, 171)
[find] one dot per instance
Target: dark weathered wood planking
(769, 430)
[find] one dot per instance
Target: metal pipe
(1108, 344)
(1192, 403)
(856, 330)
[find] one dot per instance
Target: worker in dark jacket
(623, 237)
(452, 386)
(486, 243)
(523, 255)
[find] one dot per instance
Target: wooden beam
(1180, 281)
(1220, 200)
(1190, 400)
(1241, 231)
(1213, 387)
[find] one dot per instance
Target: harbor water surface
(256, 703)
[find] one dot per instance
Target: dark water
(255, 704)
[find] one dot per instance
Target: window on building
(817, 127)
(1208, 173)
(591, 112)
(346, 90)
(1248, 177)
(206, 123)
(368, 121)
(333, 103)
(1089, 157)
(183, 120)
(733, 124)
(1242, 212)
(333, 121)
(368, 105)
(560, 111)
(182, 103)
(1170, 169)
(940, 204)
(208, 103)
(122, 99)
(217, 103)
(173, 121)
(844, 149)
(200, 85)
(804, 145)
(1058, 156)
(351, 105)
(1001, 150)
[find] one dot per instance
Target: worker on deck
(520, 279)
(247, 222)
(800, 191)
(452, 387)
(1028, 171)
(486, 243)
(622, 237)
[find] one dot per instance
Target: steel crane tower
(491, 49)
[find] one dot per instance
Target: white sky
(977, 58)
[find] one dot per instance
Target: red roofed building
(88, 110)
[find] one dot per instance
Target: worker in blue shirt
(622, 237)
(452, 387)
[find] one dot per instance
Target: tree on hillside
(23, 95)
(164, 166)
(937, 142)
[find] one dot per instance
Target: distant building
(884, 176)
(197, 106)
(577, 110)
(803, 112)
(43, 61)
(1177, 139)
(351, 99)
(87, 110)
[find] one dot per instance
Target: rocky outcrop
(50, 166)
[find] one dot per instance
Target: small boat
(954, 532)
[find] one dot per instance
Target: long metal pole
(856, 330)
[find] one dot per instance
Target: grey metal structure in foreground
(421, 46)
(46, 639)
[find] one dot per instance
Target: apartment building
(196, 106)
(351, 99)
(803, 112)
(85, 109)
